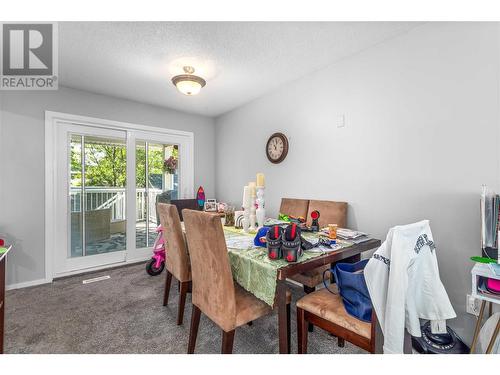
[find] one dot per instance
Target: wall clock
(277, 148)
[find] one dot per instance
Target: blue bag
(261, 233)
(352, 288)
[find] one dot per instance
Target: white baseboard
(27, 284)
(101, 268)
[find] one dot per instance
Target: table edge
(334, 256)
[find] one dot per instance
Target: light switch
(340, 121)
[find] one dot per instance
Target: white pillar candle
(260, 180)
(251, 185)
(260, 203)
(246, 196)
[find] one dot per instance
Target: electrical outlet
(472, 305)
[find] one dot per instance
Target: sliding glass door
(97, 194)
(109, 183)
(157, 180)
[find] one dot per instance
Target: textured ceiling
(240, 61)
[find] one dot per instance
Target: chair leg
(289, 328)
(193, 331)
(340, 342)
(494, 336)
(478, 326)
(301, 332)
(227, 342)
(168, 281)
(182, 301)
(307, 290)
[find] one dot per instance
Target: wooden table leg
(353, 259)
(494, 336)
(282, 315)
(478, 326)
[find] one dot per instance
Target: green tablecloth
(254, 271)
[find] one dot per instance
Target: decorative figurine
(315, 223)
(200, 196)
(238, 219)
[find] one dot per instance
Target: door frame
(133, 132)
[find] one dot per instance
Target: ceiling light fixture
(188, 83)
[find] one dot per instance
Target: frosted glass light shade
(188, 87)
(188, 83)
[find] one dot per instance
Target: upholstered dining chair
(214, 292)
(326, 310)
(177, 261)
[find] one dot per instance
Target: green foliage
(106, 164)
(155, 164)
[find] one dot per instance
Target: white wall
(421, 136)
(22, 173)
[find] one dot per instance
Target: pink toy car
(157, 263)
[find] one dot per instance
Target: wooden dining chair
(326, 310)
(191, 204)
(330, 213)
(177, 260)
(214, 292)
(294, 207)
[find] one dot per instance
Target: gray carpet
(125, 315)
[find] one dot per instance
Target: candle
(246, 196)
(251, 185)
(260, 180)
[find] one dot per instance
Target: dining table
(267, 278)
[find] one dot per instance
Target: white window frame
(133, 131)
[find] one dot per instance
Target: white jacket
(403, 280)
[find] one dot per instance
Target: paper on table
(324, 249)
(240, 242)
(349, 233)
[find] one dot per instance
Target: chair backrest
(177, 254)
(213, 286)
(294, 207)
(191, 204)
(330, 212)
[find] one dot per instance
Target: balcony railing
(98, 198)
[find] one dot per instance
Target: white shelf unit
(483, 270)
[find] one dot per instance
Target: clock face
(277, 148)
